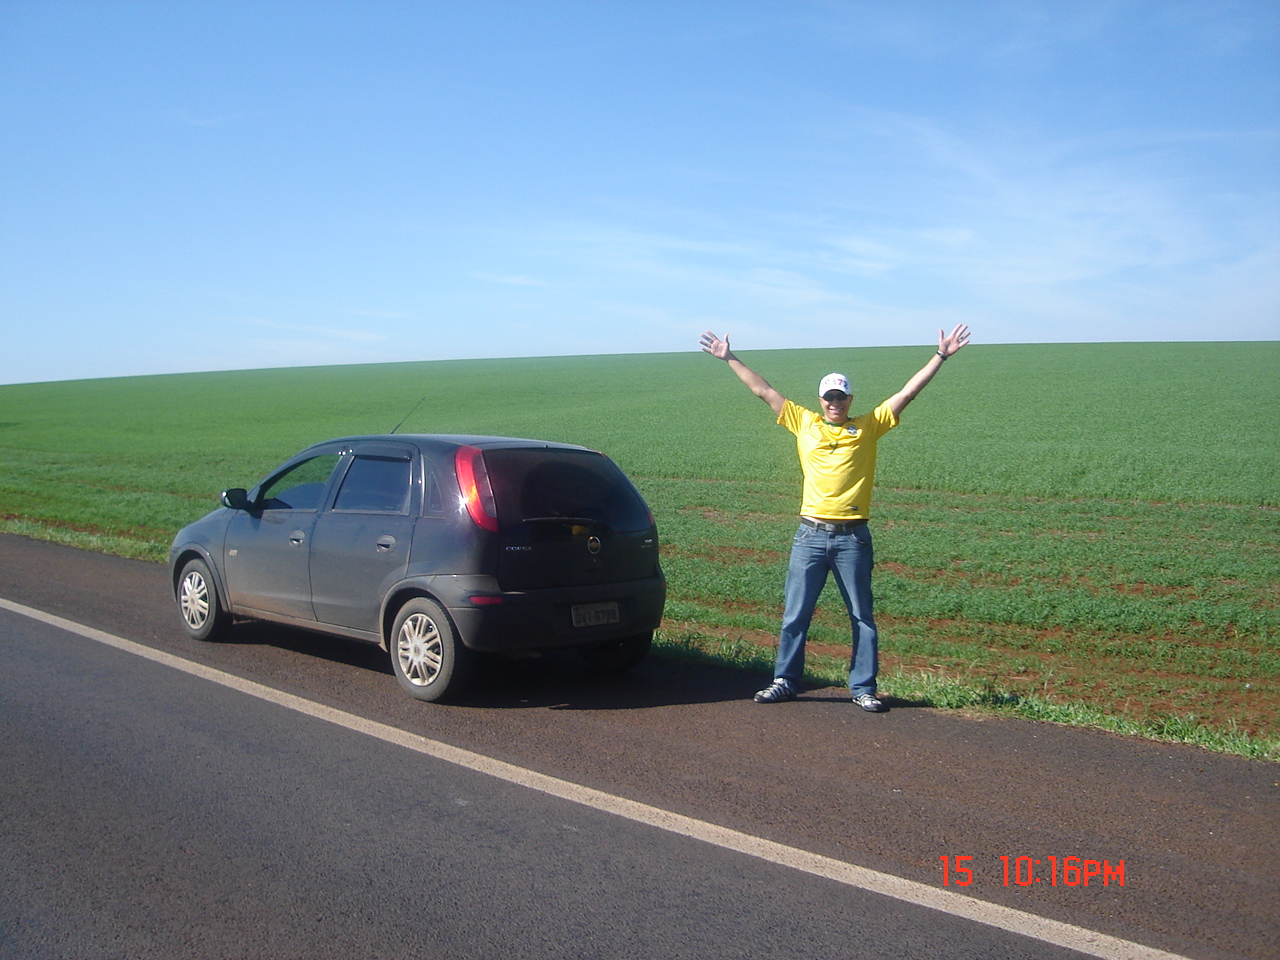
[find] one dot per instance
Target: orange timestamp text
(1049, 871)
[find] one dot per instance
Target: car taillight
(473, 478)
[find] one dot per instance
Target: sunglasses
(835, 396)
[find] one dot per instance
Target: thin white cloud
(511, 280)
(314, 333)
(378, 314)
(192, 118)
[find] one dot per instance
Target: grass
(1082, 533)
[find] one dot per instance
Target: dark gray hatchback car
(436, 548)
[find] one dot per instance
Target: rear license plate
(594, 614)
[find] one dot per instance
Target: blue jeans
(814, 554)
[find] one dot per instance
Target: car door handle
(297, 538)
(386, 543)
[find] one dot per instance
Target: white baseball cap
(834, 381)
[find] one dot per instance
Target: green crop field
(1082, 533)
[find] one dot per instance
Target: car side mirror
(237, 498)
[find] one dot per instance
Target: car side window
(301, 487)
(434, 504)
(375, 485)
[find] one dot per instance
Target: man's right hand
(719, 348)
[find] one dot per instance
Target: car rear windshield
(559, 486)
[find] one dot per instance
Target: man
(838, 460)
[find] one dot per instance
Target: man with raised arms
(838, 462)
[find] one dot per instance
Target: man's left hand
(950, 343)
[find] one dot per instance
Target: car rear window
(533, 485)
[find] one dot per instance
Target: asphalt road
(146, 812)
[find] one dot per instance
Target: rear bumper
(543, 619)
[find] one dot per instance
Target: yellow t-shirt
(839, 463)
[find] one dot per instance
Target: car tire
(617, 656)
(428, 658)
(199, 603)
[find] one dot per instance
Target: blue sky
(223, 185)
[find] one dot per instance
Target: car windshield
(534, 486)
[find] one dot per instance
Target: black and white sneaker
(869, 703)
(777, 692)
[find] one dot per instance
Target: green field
(1078, 532)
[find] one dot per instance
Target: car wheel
(615, 656)
(202, 612)
(428, 658)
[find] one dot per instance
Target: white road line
(1088, 942)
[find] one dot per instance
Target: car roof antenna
(409, 414)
